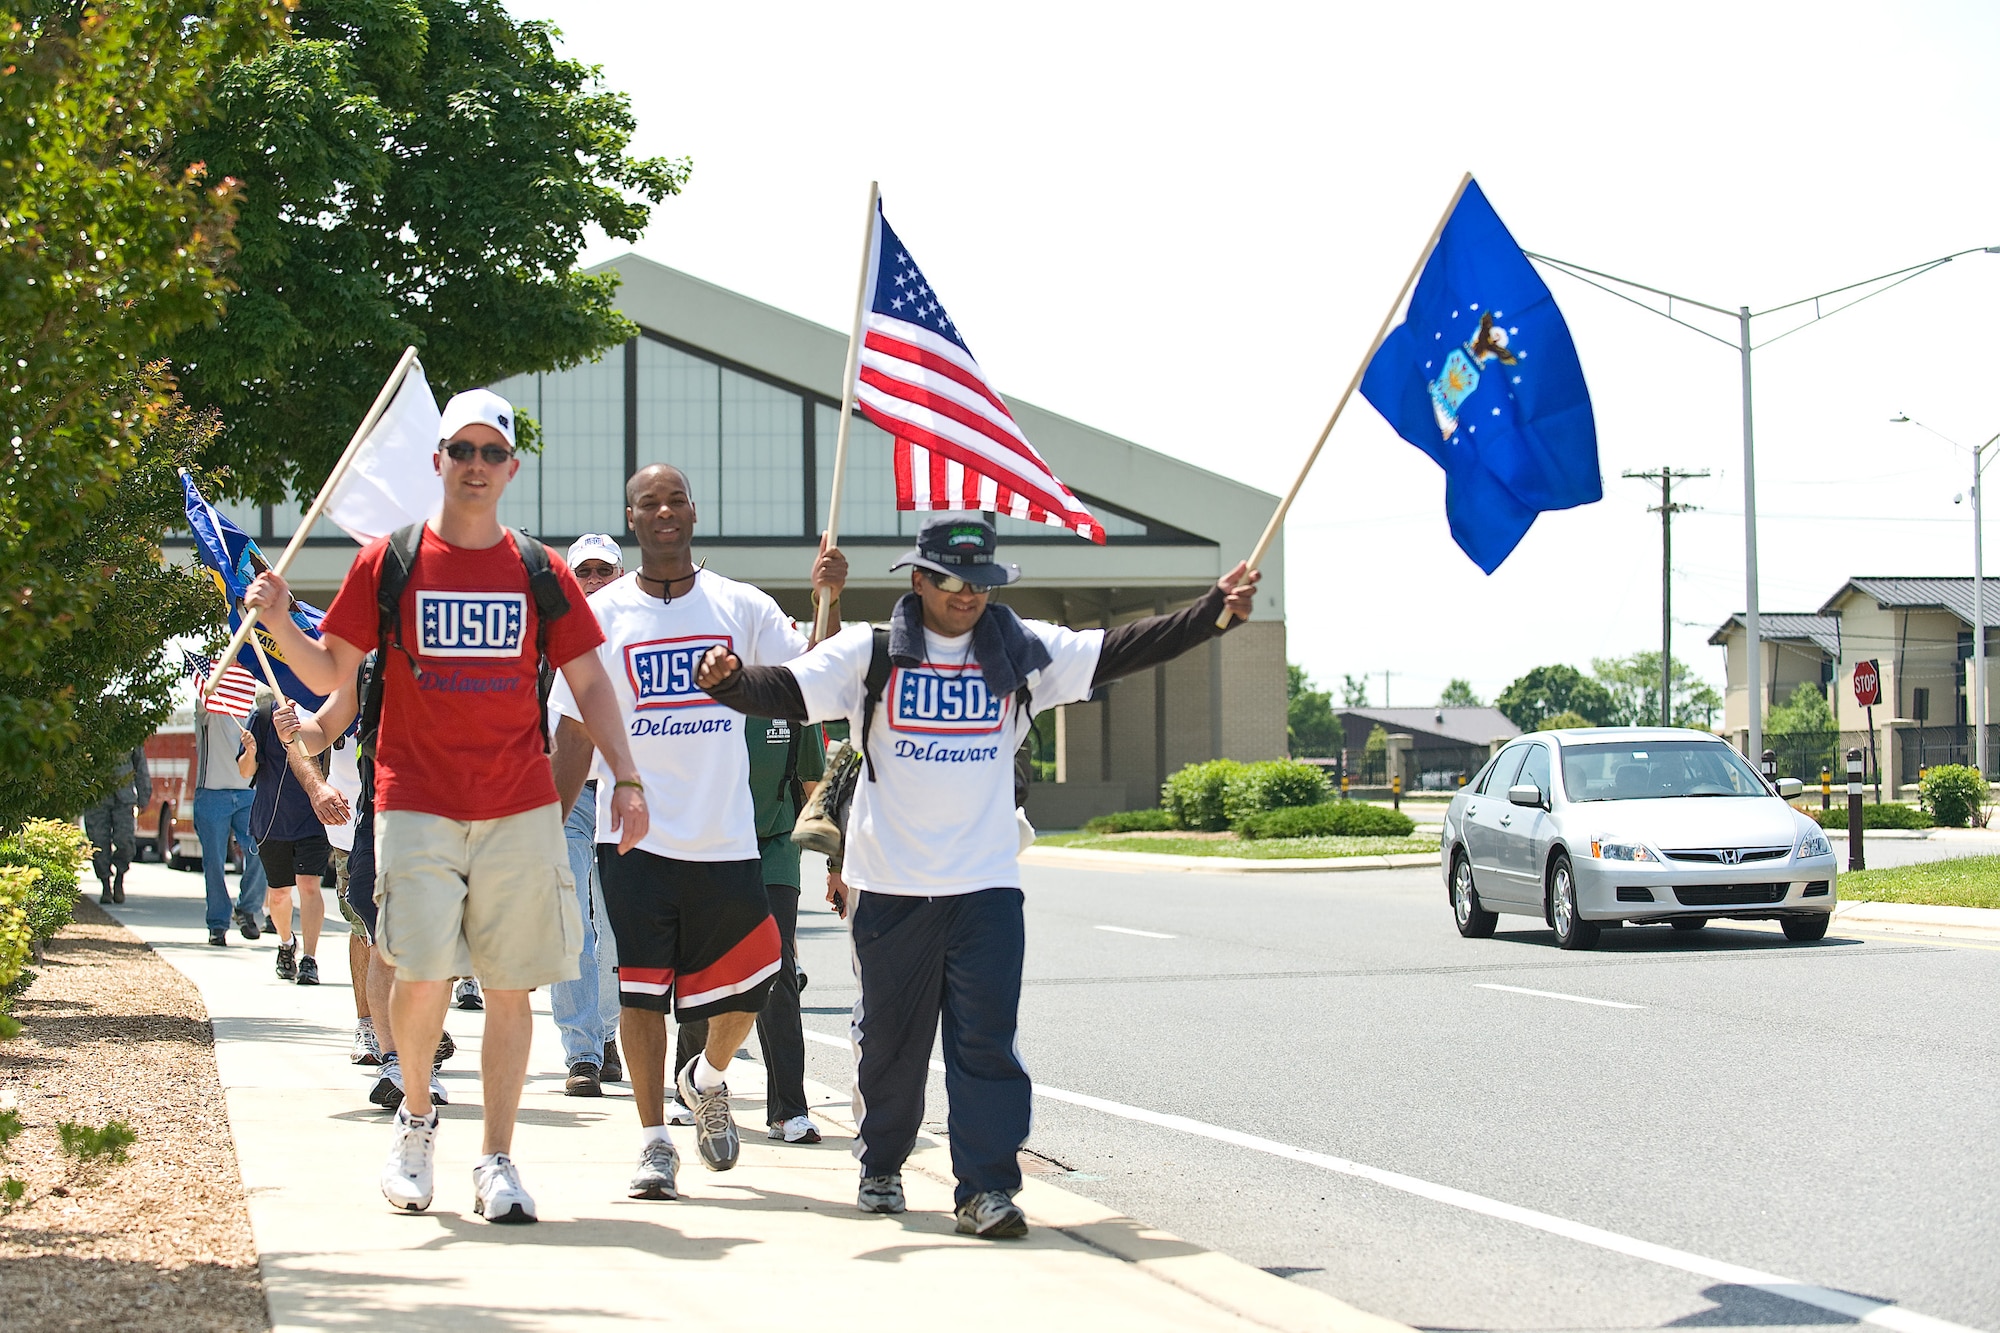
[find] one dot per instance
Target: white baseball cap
(595, 546)
(477, 407)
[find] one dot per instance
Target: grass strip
(1972, 881)
(1262, 849)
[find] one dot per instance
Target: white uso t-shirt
(343, 774)
(939, 818)
(689, 749)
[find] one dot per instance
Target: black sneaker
(270, 926)
(714, 1127)
(992, 1216)
(611, 1071)
(246, 925)
(288, 960)
(218, 937)
(466, 994)
(881, 1194)
(583, 1081)
(446, 1049)
(104, 898)
(308, 971)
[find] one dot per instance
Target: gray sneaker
(658, 1164)
(992, 1216)
(881, 1194)
(714, 1127)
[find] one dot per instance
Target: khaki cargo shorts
(487, 898)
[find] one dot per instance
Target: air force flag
(1482, 376)
(233, 561)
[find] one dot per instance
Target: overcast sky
(1182, 225)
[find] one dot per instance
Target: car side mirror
(1789, 787)
(1526, 794)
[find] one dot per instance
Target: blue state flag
(1482, 376)
(233, 560)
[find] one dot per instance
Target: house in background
(1445, 745)
(1918, 631)
(745, 399)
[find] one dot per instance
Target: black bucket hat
(960, 545)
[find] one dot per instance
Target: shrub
(1132, 821)
(1873, 816)
(58, 851)
(1954, 794)
(1340, 819)
(1273, 785)
(1196, 795)
(1562, 721)
(17, 886)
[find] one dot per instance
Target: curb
(1966, 923)
(1228, 1284)
(1220, 865)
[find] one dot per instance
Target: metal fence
(1805, 754)
(1927, 746)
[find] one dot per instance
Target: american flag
(957, 446)
(235, 694)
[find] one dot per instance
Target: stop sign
(1867, 683)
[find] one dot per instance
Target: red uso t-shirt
(461, 729)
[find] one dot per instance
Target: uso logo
(661, 671)
(470, 624)
(943, 700)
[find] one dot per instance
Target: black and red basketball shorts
(694, 934)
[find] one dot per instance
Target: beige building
(745, 399)
(1918, 632)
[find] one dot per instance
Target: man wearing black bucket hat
(939, 700)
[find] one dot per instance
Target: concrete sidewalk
(776, 1241)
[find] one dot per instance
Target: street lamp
(1978, 590)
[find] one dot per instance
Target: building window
(680, 419)
(763, 459)
(868, 501)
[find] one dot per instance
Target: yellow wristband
(629, 782)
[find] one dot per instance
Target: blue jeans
(586, 1010)
(217, 814)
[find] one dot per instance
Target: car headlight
(1814, 844)
(1623, 851)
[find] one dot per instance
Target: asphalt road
(1827, 1114)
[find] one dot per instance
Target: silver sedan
(1632, 824)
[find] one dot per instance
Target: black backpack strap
(792, 784)
(399, 562)
(874, 683)
(551, 603)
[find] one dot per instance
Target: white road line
(1127, 930)
(1860, 1308)
(1556, 995)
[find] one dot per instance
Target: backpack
(399, 562)
(877, 680)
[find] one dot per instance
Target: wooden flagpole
(1284, 505)
(822, 605)
(375, 411)
(298, 742)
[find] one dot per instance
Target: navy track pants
(958, 959)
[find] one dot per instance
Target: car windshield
(1652, 770)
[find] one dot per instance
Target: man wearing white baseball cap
(586, 1010)
(472, 872)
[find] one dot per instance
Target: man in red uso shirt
(473, 874)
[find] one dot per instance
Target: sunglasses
(951, 583)
(461, 450)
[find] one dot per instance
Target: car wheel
(1691, 924)
(1474, 921)
(1806, 929)
(1572, 931)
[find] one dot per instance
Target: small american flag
(957, 446)
(235, 694)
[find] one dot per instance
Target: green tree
(1804, 713)
(1354, 692)
(1530, 701)
(414, 172)
(1310, 728)
(1564, 720)
(1458, 694)
(108, 249)
(1633, 684)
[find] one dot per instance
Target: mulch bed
(162, 1240)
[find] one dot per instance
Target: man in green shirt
(787, 760)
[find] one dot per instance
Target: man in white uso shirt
(688, 912)
(932, 845)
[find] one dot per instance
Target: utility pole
(1385, 688)
(1666, 509)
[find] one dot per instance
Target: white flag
(391, 483)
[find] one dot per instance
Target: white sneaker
(678, 1114)
(364, 1051)
(438, 1095)
(406, 1176)
(799, 1129)
(497, 1183)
